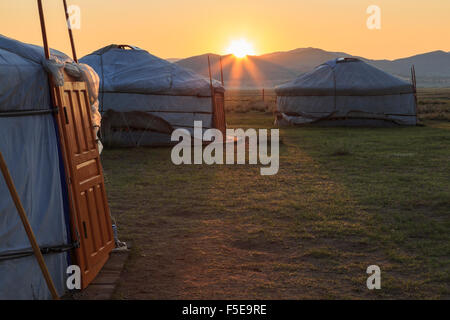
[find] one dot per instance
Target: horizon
(299, 48)
(189, 30)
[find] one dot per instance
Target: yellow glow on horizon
(240, 48)
(338, 26)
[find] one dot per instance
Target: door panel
(90, 214)
(219, 112)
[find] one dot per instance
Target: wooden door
(90, 215)
(219, 112)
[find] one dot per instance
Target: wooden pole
(53, 94)
(414, 84)
(263, 94)
(221, 71)
(37, 251)
(43, 30)
(69, 28)
(210, 80)
(210, 76)
(27, 226)
(213, 96)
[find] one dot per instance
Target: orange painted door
(219, 112)
(90, 215)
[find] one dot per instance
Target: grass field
(343, 199)
(433, 104)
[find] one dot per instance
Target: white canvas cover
(134, 70)
(131, 79)
(29, 144)
(346, 89)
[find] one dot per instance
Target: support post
(211, 83)
(414, 84)
(221, 71)
(69, 28)
(43, 30)
(213, 94)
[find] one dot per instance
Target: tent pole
(54, 97)
(69, 28)
(46, 48)
(414, 84)
(43, 30)
(221, 71)
(23, 216)
(27, 226)
(213, 98)
(210, 77)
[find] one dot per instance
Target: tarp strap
(24, 113)
(308, 116)
(330, 116)
(335, 90)
(44, 250)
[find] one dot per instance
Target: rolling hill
(268, 70)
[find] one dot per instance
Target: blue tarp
(30, 147)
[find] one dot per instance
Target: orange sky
(182, 28)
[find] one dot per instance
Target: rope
(24, 113)
(44, 250)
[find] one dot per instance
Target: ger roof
(129, 69)
(345, 77)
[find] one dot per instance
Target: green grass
(434, 104)
(343, 199)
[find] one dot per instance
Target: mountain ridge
(271, 69)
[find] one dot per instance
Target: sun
(240, 48)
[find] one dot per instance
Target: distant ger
(144, 98)
(346, 91)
